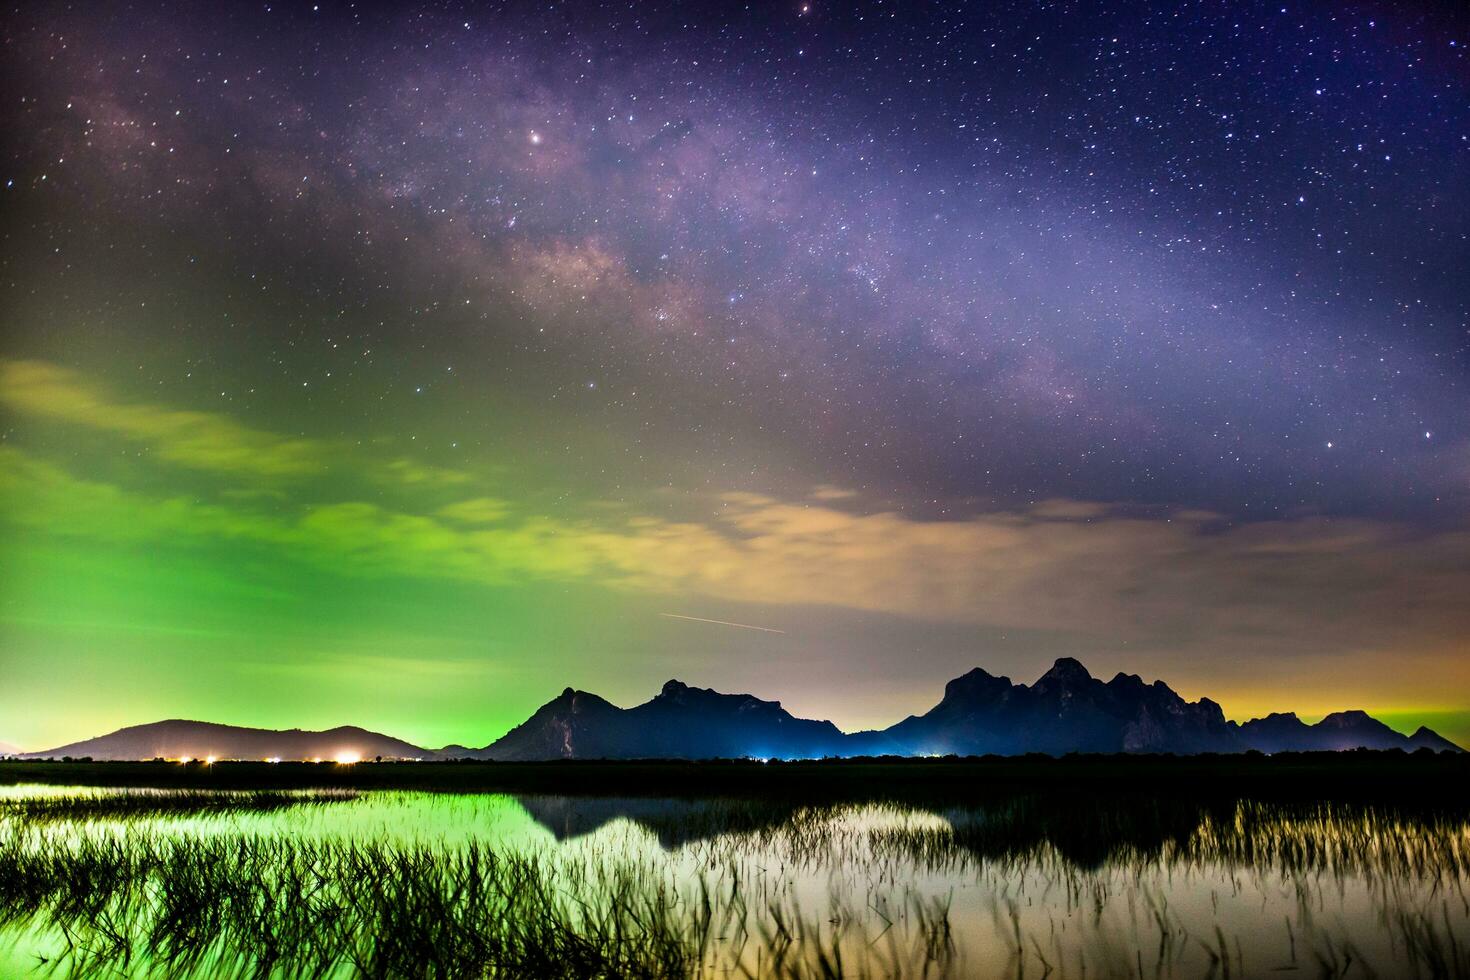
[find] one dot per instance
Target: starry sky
(370, 364)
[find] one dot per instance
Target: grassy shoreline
(1395, 776)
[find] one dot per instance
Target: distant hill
(1285, 732)
(198, 740)
(1065, 710)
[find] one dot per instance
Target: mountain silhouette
(1425, 737)
(1065, 710)
(177, 739)
(681, 722)
(1285, 732)
(575, 725)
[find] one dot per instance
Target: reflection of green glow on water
(658, 886)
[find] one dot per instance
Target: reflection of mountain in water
(1087, 833)
(673, 822)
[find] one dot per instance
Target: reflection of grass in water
(1291, 839)
(1337, 838)
(1413, 868)
(1073, 889)
(164, 803)
(305, 908)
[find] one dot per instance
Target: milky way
(347, 342)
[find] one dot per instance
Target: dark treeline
(1362, 775)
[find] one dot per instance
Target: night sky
(361, 365)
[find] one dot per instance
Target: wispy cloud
(205, 441)
(1181, 581)
(475, 510)
(199, 440)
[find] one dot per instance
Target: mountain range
(1065, 710)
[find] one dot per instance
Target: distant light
(348, 758)
(274, 758)
(535, 138)
(316, 759)
(209, 760)
(185, 761)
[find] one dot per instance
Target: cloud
(476, 510)
(412, 473)
(199, 440)
(826, 492)
(206, 441)
(1180, 581)
(1177, 583)
(1309, 585)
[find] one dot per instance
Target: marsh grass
(1023, 886)
(256, 906)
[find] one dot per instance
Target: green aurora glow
(206, 567)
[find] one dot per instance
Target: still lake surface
(390, 883)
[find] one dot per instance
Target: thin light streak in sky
(721, 622)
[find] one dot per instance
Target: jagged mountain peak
(676, 692)
(976, 683)
(1281, 716)
(1066, 672)
(572, 698)
(1353, 716)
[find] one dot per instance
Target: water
(391, 882)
